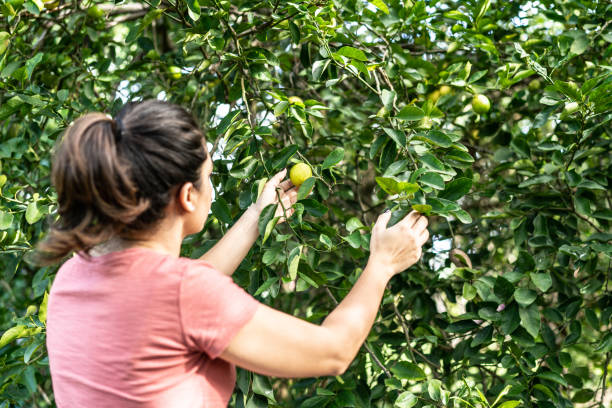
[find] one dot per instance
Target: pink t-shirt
(137, 328)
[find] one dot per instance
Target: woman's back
(137, 326)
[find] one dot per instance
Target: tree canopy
(491, 117)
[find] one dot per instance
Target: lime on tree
(445, 90)
(481, 104)
(299, 173)
(175, 72)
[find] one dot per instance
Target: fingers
(420, 225)
(410, 219)
(424, 237)
(381, 222)
(286, 185)
(276, 179)
(290, 197)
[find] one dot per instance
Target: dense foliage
(510, 305)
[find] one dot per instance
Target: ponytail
(114, 177)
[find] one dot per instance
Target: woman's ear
(186, 197)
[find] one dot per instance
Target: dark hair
(116, 177)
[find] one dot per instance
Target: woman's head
(117, 177)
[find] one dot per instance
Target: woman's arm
(228, 253)
(275, 343)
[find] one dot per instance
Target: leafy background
(510, 305)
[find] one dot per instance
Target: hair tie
(117, 129)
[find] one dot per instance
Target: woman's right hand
(398, 247)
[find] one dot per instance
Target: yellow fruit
(445, 90)
(299, 173)
(481, 104)
(175, 72)
(296, 100)
(434, 96)
(3, 179)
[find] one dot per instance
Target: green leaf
(379, 4)
(29, 379)
(193, 9)
(438, 138)
(306, 188)
(267, 214)
(552, 376)
(281, 158)
(32, 63)
(543, 281)
(422, 208)
(510, 404)
(353, 53)
(583, 395)
(226, 122)
(411, 113)
(525, 297)
(503, 288)
(408, 371)
(42, 310)
(261, 386)
(6, 220)
(313, 207)
(221, 210)
(406, 400)
(333, 158)
(536, 180)
(387, 98)
(462, 326)
(469, 291)
(244, 169)
(294, 30)
(397, 135)
(457, 189)
(431, 161)
(353, 224)
(530, 319)
(433, 180)
(33, 213)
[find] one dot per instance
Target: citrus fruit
(535, 85)
(434, 96)
(175, 72)
(299, 173)
(481, 104)
(445, 90)
(569, 108)
(95, 12)
(296, 100)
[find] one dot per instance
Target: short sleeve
(212, 308)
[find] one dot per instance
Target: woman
(130, 322)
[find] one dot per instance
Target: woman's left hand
(286, 190)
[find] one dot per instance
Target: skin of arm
(278, 344)
(227, 254)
